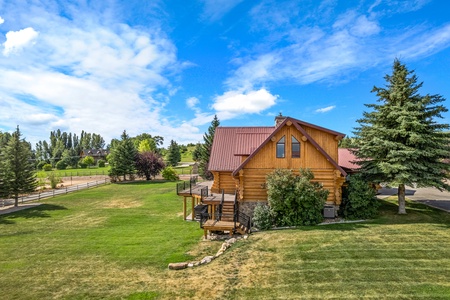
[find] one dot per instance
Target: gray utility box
(329, 211)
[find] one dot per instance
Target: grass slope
(115, 242)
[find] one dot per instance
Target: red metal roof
(248, 140)
(232, 142)
(347, 158)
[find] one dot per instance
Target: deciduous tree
(149, 164)
(89, 161)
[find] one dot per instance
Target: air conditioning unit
(329, 212)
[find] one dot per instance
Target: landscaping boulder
(178, 266)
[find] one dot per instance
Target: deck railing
(244, 219)
(183, 186)
(235, 208)
(220, 207)
(203, 193)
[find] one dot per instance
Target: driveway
(429, 196)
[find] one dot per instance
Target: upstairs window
(281, 147)
(295, 148)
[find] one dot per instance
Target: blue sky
(167, 67)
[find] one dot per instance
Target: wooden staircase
(225, 217)
(228, 211)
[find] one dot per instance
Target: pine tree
(399, 140)
(196, 154)
(173, 154)
(122, 158)
(17, 169)
(205, 151)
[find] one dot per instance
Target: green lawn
(115, 242)
(81, 172)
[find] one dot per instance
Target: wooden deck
(195, 191)
(213, 225)
(212, 200)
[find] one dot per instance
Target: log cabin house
(241, 158)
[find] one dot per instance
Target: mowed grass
(115, 242)
(107, 242)
(80, 172)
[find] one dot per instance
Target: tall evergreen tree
(196, 154)
(173, 154)
(122, 157)
(17, 174)
(205, 151)
(399, 140)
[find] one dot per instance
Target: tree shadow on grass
(5, 221)
(416, 213)
(338, 226)
(34, 212)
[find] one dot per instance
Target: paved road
(429, 196)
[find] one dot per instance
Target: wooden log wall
(223, 181)
(252, 178)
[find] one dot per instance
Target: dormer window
(281, 145)
(295, 147)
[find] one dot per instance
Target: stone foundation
(249, 207)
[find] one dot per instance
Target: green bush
(295, 200)
(82, 165)
(169, 174)
(101, 163)
(262, 217)
(41, 177)
(40, 165)
(89, 160)
(61, 165)
(361, 201)
(47, 167)
(54, 179)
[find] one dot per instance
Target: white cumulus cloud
(2, 20)
(234, 103)
(192, 102)
(16, 40)
(325, 109)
